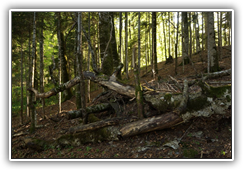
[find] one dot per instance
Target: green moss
(92, 118)
(74, 140)
(197, 103)
(217, 92)
(166, 103)
(228, 98)
(167, 96)
(85, 137)
(190, 153)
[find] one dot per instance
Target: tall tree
(63, 58)
(88, 94)
(146, 53)
(197, 32)
(220, 36)
(32, 74)
(42, 63)
(120, 34)
(78, 44)
(169, 32)
(113, 46)
(22, 107)
(164, 30)
(82, 82)
(154, 46)
(176, 45)
(105, 30)
(202, 32)
(185, 41)
(126, 45)
(60, 51)
(190, 29)
(212, 51)
(139, 94)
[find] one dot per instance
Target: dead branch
(95, 125)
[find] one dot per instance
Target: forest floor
(202, 137)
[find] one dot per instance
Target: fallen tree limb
(111, 83)
(215, 101)
(102, 79)
(95, 125)
(160, 122)
(92, 109)
(216, 74)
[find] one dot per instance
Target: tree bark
(62, 54)
(139, 93)
(94, 125)
(21, 100)
(92, 109)
(78, 52)
(126, 46)
(105, 31)
(42, 66)
(213, 56)
(32, 80)
(185, 37)
(154, 46)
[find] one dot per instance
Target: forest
(121, 85)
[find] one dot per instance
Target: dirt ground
(201, 137)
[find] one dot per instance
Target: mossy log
(91, 109)
(175, 108)
(197, 105)
(94, 125)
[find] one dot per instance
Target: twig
(186, 131)
(176, 83)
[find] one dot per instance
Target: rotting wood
(112, 131)
(160, 122)
(94, 125)
(212, 100)
(92, 109)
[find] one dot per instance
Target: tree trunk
(32, 98)
(202, 33)
(42, 66)
(105, 31)
(59, 59)
(120, 34)
(63, 58)
(176, 45)
(78, 52)
(163, 20)
(154, 46)
(113, 46)
(126, 46)
(220, 36)
(197, 33)
(88, 93)
(88, 110)
(213, 56)
(186, 39)
(190, 28)
(82, 82)
(21, 99)
(139, 93)
(169, 33)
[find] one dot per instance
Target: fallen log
(198, 105)
(94, 125)
(160, 122)
(175, 108)
(92, 109)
